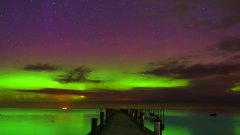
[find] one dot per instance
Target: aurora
(236, 87)
(120, 52)
(114, 80)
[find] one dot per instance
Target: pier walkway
(121, 124)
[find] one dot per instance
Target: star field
(132, 47)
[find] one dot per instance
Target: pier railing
(135, 115)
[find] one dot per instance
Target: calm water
(199, 123)
(46, 122)
(78, 122)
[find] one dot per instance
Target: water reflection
(72, 122)
(237, 125)
(46, 122)
(198, 123)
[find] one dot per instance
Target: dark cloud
(229, 45)
(40, 67)
(230, 21)
(196, 70)
(168, 63)
(209, 82)
(235, 57)
(55, 91)
(214, 14)
(76, 75)
(224, 21)
(151, 96)
(228, 13)
(91, 95)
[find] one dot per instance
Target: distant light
(79, 97)
(64, 108)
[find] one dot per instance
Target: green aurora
(236, 87)
(111, 80)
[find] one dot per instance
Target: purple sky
(118, 31)
(197, 40)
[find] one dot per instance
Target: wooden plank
(121, 124)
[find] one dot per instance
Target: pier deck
(121, 124)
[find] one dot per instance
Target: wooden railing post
(94, 126)
(141, 119)
(136, 115)
(107, 114)
(157, 127)
(101, 120)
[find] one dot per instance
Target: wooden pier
(121, 124)
(124, 122)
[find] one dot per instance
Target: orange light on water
(64, 108)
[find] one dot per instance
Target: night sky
(120, 51)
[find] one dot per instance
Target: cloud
(209, 82)
(40, 67)
(89, 95)
(230, 21)
(196, 70)
(228, 12)
(210, 14)
(215, 14)
(55, 91)
(150, 96)
(235, 57)
(76, 75)
(229, 45)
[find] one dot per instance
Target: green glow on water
(237, 125)
(45, 122)
(237, 130)
(173, 130)
(198, 122)
(177, 130)
(72, 122)
(110, 79)
(178, 113)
